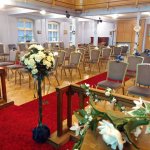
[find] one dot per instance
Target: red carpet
(17, 122)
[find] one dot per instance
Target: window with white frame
(53, 32)
(25, 30)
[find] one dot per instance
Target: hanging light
(42, 12)
(137, 28)
(2, 5)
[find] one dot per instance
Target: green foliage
(122, 122)
(141, 112)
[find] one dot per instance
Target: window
(25, 30)
(53, 32)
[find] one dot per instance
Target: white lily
(137, 131)
(76, 128)
(111, 135)
(138, 103)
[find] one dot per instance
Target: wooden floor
(23, 94)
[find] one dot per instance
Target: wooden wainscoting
(126, 33)
(147, 43)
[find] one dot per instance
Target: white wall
(8, 30)
(87, 31)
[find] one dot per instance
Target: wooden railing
(70, 91)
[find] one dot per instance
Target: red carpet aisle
(17, 122)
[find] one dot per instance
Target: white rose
(90, 118)
(32, 56)
(34, 71)
(22, 58)
(26, 61)
(107, 93)
(114, 100)
(32, 46)
(38, 58)
(109, 89)
(50, 54)
(40, 47)
(42, 55)
(31, 63)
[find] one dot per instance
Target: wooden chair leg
(61, 72)
(79, 73)
(57, 80)
(71, 74)
(123, 90)
(65, 72)
(8, 74)
(15, 76)
(29, 80)
(99, 67)
(19, 78)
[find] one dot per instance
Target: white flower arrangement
(38, 61)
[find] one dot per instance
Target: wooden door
(147, 43)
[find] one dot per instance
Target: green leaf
(117, 120)
(82, 112)
(132, 124)
(147, 105)
(80, 118)
(94, 124)
(141, 112)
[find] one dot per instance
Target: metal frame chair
(74, 62)
(142, 83)
(115, 76)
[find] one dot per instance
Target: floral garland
(110, 125)
(38, 61)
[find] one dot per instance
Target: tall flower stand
(40, 133)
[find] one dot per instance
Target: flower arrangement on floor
(39, 62)
(136, 53)
(119, 58)
(115, 129)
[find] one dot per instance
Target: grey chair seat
(110, 84)
(6, 63)
(140, 91)
(91, 61)
(70, 66)
(131, 73)
(24, 70)
(15, 66)
(104, 58)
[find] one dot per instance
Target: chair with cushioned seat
(106, 52)
(74, 62)
(116, 52)
(124, 50)
(142, 83)
(115, 76)
(94, 58)
(133, 61)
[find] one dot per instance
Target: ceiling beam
(116, 10)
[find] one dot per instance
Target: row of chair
(116, 77)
